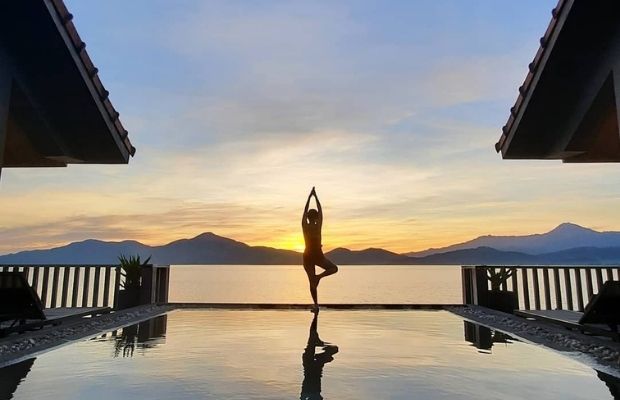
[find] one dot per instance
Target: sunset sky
(390, 108)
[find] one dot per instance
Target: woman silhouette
(311, 223)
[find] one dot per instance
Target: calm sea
(288, 284)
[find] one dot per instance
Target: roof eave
(77, 48)
(535, 69)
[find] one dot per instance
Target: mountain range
(564, 237)
(566, 244)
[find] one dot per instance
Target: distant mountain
(206, 248)
(583, 256)
(209, 248)
(490, 256)
(87, 252)
(479, 255)
(563, 237)
(368, 256)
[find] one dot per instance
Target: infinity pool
(226, 354)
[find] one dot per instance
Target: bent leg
(329, 267)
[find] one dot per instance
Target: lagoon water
(417, 284)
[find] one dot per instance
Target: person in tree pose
(311, 223)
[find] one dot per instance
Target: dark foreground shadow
(12, 376)
(313, 363)
(144, 335)
(612, 383)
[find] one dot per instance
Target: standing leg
(313, 280)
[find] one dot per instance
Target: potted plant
(497, 299)
(129, 295)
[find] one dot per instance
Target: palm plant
(130, 271)
(498, 277)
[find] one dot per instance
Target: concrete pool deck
(592, 350)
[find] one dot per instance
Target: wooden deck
(565, 317)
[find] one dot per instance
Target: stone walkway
(18, 347)
(598, 350)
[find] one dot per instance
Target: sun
(293, 242)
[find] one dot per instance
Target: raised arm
(318, 206)
(304, 220)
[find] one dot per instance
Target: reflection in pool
(143, 336)
(313, 363)
(217, 354)
(483, 338)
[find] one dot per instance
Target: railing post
(44, 285)
(589, 287)
(579, 286)
(86, 288)
(35, 279)
(96, 286)
(466, 285)
(117, 285)
(106, 286)
(163, 279)
(599, 279)
(515, 283)
(547, 288)
(526, 289)
(76, 286)
(475, 286)
(558, 289)
(569, 289)
(65, 287)
(55, 275)
(154, 286)
(536, 289)
(147, 286)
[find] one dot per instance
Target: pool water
(271, 354)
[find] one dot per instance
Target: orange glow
(291, 241)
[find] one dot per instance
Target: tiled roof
(535, 68)
(79, 46)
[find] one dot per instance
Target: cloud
(152, 228)
(237, 109)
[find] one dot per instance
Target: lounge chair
(21, 308)
(601, 315)
(603, 308)
(18, 300)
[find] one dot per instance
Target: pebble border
(18, 347)
(600, 350)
